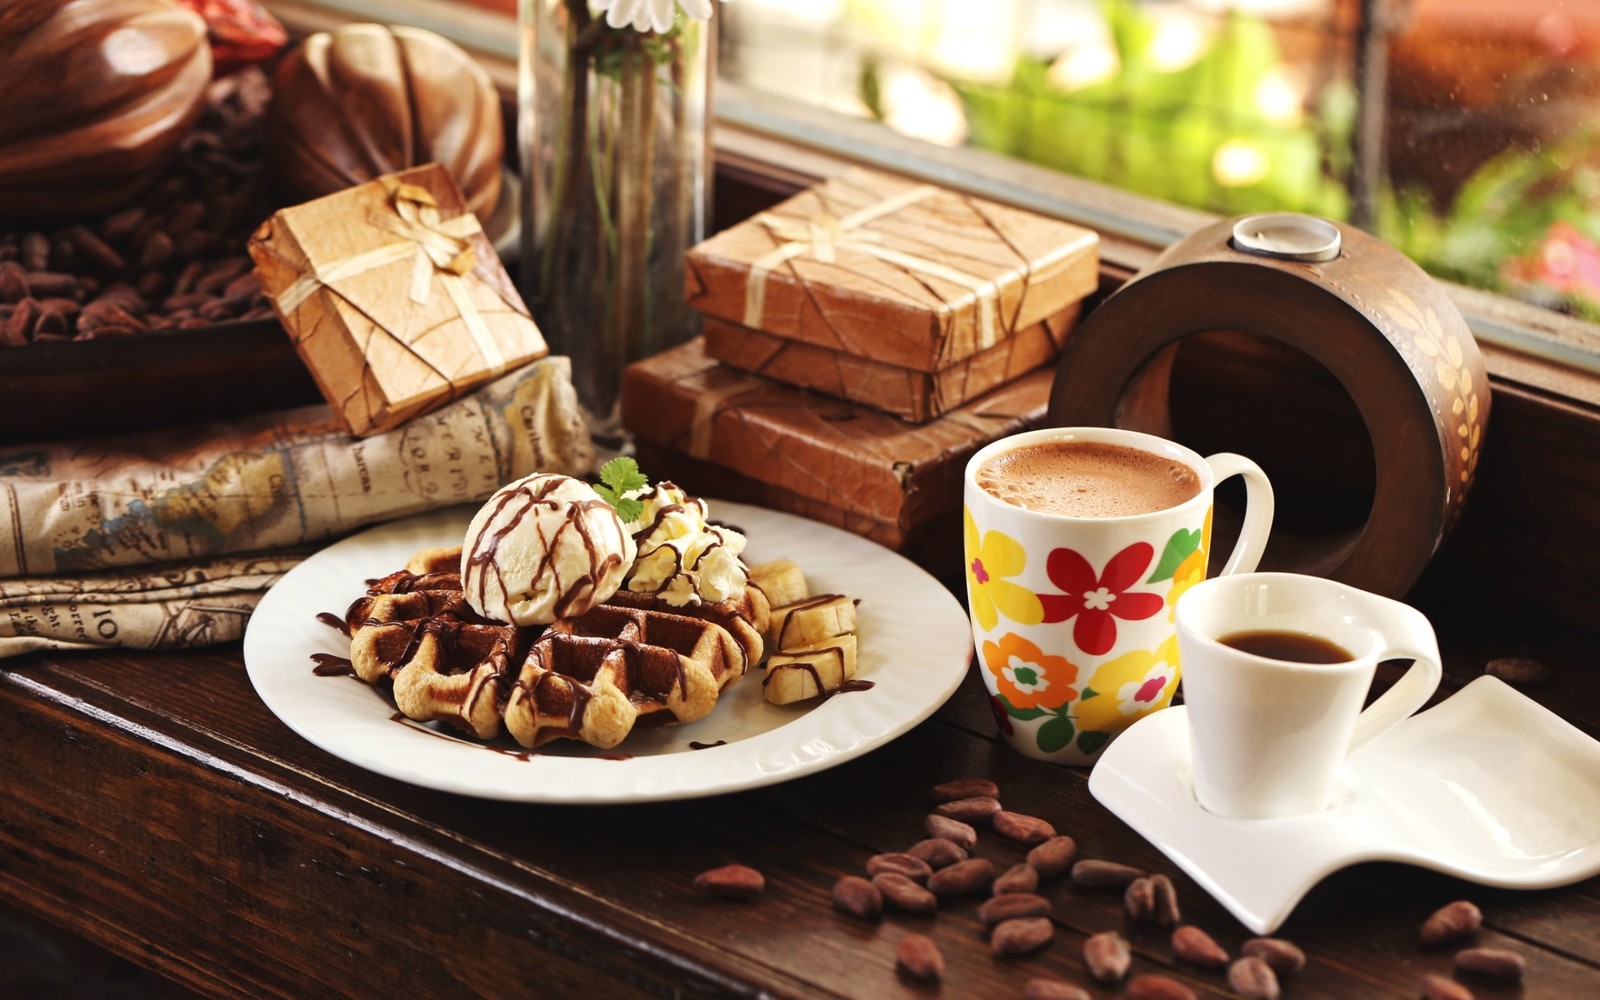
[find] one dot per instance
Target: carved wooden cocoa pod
(87, 147)
(367, 100)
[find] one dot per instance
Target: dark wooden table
(152, 805)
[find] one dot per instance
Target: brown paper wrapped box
(728, 433)
(911, 395)
(394, 297)
(907, 274)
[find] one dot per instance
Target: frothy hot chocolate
(1088, 479)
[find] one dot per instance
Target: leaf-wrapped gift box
(907, 297)
(394, 297)
(721, 432)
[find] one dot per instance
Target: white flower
(651, 15)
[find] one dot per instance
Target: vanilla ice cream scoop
(542, 548)
(683, 558)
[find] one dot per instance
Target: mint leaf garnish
(621, 482)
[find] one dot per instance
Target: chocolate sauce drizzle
(697, 745)
(329, 665)
(332, 620)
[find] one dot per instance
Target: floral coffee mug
(1078, 543)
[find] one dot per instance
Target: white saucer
(1487, 785)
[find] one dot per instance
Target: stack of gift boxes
(862, 340)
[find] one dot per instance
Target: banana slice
(808, 673)
(781, 580)
(811, 622)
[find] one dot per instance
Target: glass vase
(614, 133)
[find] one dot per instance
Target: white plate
(1488, 785)
(915, 647)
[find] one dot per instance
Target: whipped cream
(682, 558)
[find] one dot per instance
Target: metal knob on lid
(1287, 236)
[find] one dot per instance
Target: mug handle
(1258, 510)
(1408, 636)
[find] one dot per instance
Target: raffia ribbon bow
(437, 246)
(825, 234)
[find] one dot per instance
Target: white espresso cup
(1269, 730)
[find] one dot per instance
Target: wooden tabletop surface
(154, 806)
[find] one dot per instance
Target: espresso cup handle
(1257, 511)
(1408, 636)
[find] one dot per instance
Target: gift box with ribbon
(394, 297)
(722, 432)
(908, 276)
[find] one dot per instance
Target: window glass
(1465, 132)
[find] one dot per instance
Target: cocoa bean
(123, 295)
(1166, 912)
(1053, 989)
(919, 957)
(858, 897)
(259, 312)
(156, 251)
(900, 863)
(150, 285)
(964, 878)
(1093, 874)
(1253, 979)
(50, 284)
(118, 227)
(194, 246)
(1020, 935)
(218, 310)
(1139, 899)
(958, 833)
(189, 300)
(1439, 988)
(1053, 856)
(220, 272)
(1285, 957)
(937, 852)
(1017, 878)
(1108, 956)
(105, 313)
(1012, 905)
(1451, 921)
(63, 255)
(36, 251)
(973, 810)
(1024, 829)
(18, 328)
(53, 318)
(901, 893)
(1497, 963)
(964, 788)
(1194, 945)
(189, 277)
(185, 218)
(1150, 986)
(13, 284)
(1517, 670)
(730, 882)
(193, 322)
(92, 250)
